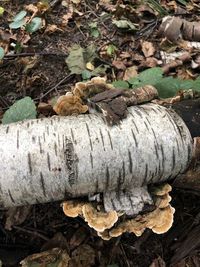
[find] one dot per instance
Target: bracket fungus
(99, 220)
(108, 224)
(69, 104)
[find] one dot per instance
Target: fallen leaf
(130, 73)
(21, 110)
(55, 257)
(83, 256)
(16, 216)
(148, 49)
(118, 64)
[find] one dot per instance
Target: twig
(31, 232)
(35, 54)
(54, 87)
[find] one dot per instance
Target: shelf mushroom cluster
(109, 224)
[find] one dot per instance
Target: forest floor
(118, 40)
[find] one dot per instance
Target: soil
(50, 77)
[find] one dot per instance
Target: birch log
(64, 157)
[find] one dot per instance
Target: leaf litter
(48, 48)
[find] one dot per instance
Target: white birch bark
(63, 157)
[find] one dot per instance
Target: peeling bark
(63, 157)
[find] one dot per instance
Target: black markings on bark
(55, 148)
(28, 124)
(51, 122)
(173, 159)
(89, 116)
(47, 130)
(71, 162)
(32, 122)
(58, 140)
(113, 204)
(17, 139)
(63, 141)
(40, 145)
(97, 186)
(102, 139)
(146, 125)
(119, 182)
(163, 157)
(130, 162)
(111, 145)
(33, 139)
(72, 134)
(7, 129)
(91, 160)
(88, 131)
(29, 163)
(123, 172)
(37, 201)
(44, 137)
(42, 184)
(48, 161)
(189, 154)
(145, 175)
(135, 140)
(11, 197)
(138, 113)
(107, 178)
(135, 126)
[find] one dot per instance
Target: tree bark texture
(63, 157)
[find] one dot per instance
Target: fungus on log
(66, 157)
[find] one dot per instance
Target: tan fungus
(99, 220)
(72, 208)
(94, 86)
(69, 104)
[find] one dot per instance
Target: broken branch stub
(63, 157)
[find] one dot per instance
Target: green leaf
(168, 87)
(86, 75)
(20, 16)
(124, 24)
(1, 10)
(34, 25)
(151, 76)
(111, 49)
(196, 85)
(89, 53)
(120, 84)
(94, 30)
(75, 61)
(95, 33)
(21, 110)
(78, 57)
(100, 70)
(2, 53)
(17, 24)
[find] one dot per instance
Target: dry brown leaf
(118, 64)
(31, 8)
(16, 216)
(68, 16)
(78, 237)
(130, 73)
(83, 256)
(51, 28)
(159, 262)
(148, 49)
(55, 256)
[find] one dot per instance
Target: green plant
(166, 86)
(20, 20)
